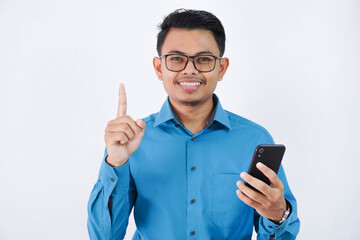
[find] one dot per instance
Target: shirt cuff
(115, 180)
(272, 227)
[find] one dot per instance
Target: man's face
(189, 86)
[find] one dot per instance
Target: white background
(294, 68)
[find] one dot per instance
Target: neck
(193, 117)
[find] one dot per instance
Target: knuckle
(266, 205)
(122, 127)
(262, 188)
(123, 135)
(127, 118)
(272, 200)
(108, 128)
(273, 176)
(272, 179)
(124, 140)
(281, 188)
(110, 122)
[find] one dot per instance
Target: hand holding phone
(272, 205)
(271, 156)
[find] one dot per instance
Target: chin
(191, 103)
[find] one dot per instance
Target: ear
(224, 64)
(157, 67)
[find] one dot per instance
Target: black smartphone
(268, 154)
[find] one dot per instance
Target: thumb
(141, 124)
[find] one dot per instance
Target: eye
(176, 58)
(204, 59)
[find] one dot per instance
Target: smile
(190, 84)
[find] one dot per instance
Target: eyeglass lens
(203, 63)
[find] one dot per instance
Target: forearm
(288, 229)
(105, 222)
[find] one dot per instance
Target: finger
(270, 174)
(247, 200)
(250, 193)
(121, 128)
(129, 121)
(256, 183)
(118, 137)
(122, 105)
(141, 124)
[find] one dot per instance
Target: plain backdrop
(294, 69)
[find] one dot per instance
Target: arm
(114, 187)
(114, 194)
(288, 229)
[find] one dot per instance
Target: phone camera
(261, 150)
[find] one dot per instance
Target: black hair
(192, 19)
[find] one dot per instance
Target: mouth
(190, 85)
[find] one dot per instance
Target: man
(181, 173)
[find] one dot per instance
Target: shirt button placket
(193, 152)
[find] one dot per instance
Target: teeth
(190, 84)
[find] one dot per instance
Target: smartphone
(268, 154)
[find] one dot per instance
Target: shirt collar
(220, 115)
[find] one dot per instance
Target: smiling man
(182, 174)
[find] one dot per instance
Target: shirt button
(194, 138)
(193, 201)
(192, 233)
(176, 125)
(112, 179)
(193, 168)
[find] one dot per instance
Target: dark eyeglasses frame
(187, 61)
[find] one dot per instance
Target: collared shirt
(212, 115)
(183, 185)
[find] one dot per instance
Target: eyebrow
(199, 53)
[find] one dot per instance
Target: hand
(122, 135)
(271, 203)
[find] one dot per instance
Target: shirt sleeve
(114, 187)
(288, 229)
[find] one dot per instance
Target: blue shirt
(183, 186)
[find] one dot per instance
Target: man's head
(190, 63)
(190, 20)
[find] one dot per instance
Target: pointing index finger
(122, 105)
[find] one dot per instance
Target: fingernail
(243, 174)
(259, 164)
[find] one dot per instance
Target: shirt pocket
(226, 207)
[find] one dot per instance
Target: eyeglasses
(178, 62)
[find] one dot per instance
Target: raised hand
(122, 135)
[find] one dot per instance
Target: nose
(190, 68)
